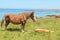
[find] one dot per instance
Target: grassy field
(14, 32)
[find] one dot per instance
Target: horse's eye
(33, 16)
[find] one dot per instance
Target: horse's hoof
(22, 31)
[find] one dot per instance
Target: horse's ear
(32, 13)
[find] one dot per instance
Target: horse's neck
(27, 15)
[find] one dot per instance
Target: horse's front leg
(23, 27)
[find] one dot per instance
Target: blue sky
(30, 4)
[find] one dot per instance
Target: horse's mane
(25, 13)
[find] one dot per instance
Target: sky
(30, 4)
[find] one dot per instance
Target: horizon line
(32, 8)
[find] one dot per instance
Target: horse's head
(33, 17)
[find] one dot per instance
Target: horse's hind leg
(6, 24)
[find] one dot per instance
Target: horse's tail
(2, 22)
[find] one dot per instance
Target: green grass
(46, 23)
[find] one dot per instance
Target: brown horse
(58, 16)
(18, 19)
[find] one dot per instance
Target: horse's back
(16, 19)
